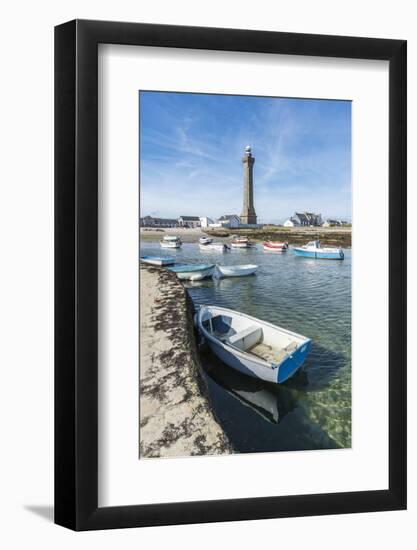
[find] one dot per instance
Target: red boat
(275, 246)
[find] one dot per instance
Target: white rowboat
(170, 244)
(172, 238)
(241, 244)
(193, 272)
(215, 247)
(170, 241)
(251, 346)
(270, 246)
(158, 260)
(205, 240)
(236, 270)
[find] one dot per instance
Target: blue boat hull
(318, 255)
(246, 361)
(245, 365)
(158, 260)
(193, 272)
(189, 268)
(293, 362)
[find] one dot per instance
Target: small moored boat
(275, 246)
(170, 241)
(241, 242)
(193, 272)
(205, 240)
(158, 260)
(214, 247)
(314, 250)
(236, 270)
(253, 347)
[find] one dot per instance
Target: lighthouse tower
(248, 215)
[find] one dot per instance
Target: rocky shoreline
(296, 235)
(328, 236)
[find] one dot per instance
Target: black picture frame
(76, 272)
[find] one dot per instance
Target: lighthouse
(248, 215)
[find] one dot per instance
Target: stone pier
(175, 415)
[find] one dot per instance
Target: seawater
(312, 297)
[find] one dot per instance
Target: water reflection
(271, 402)
(261, 417)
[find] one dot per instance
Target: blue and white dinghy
(158, 260)
(252, 346)
(193, 272)
(314, 250)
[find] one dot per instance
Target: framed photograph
(230, 244)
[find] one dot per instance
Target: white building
(334, 223)
(189, 221)
(291, 222)
(229, 220)
(304, 219)
(205, 222)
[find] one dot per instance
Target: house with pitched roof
(189, 221)
(150, 221)
(304, 219)
(229, 220)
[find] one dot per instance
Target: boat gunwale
(188, 268)
(324, 250)
(323, 254)
(245, 354)
(275, 244)
(167, 258)
(238, 266)
(211, 246)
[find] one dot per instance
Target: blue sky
(191, 147)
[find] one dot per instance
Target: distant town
(233, 221)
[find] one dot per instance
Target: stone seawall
(175, 414)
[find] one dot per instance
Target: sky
(191, 149)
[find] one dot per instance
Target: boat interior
(317, 246)
(251, 338)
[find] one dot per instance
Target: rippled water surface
(312, 297)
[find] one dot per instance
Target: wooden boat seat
(247, 338)
(273, 355)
